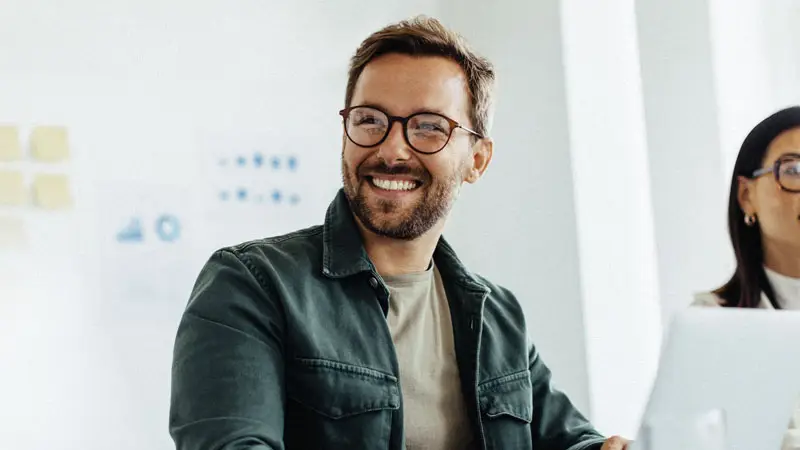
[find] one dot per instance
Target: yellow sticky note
(50, 144)
(52, 191)
(12, 188)
(12, 233)
(10, 150)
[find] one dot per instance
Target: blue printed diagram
(259, 160)
(132, 232)
(243, 195)
(166, 227)
(255, 196)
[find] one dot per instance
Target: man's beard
(434, 205)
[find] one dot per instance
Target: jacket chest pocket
(506, 406)
(336, 405)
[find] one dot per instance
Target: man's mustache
(382, 168)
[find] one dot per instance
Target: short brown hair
(425, 36)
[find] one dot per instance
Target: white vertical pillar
(614, 212)
(689, 192)
(756, 60)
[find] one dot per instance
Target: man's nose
(395, 148)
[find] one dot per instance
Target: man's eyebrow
(430, 110)
(382, 107)
(376, 105)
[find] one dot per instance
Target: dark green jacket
(284, 345)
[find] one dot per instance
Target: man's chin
(400, 218)
(380, 222)
(393, 226)
(396, 233)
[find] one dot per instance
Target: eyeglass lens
(789, 173)
(426, 133)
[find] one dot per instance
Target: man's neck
(396, 256)
(782, 259)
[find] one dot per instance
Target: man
(367, 332)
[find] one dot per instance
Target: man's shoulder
(496, 290)
(299, 246)
(500, 298)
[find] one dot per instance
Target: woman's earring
(750, 220)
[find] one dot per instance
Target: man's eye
(430, 127)
(368, 120)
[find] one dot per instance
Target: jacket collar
(453, 269)
(343, 252)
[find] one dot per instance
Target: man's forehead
(402, 84)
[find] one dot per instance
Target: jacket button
(373, 282)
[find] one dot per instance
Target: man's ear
(482, 152)
(745, 196)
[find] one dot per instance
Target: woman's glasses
(786, 171)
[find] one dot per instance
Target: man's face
(393, 190)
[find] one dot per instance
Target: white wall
(143, 86)
(756, 65)
(686, 174)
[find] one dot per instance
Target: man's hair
(425, 36)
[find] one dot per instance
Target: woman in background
(764, 225)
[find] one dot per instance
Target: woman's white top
(787, 289)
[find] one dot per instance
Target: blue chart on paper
(166, 228)
(131, 232)
(263, 167)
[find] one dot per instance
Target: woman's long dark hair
(749, 281)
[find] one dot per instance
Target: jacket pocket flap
(510, 395)
(337, 390)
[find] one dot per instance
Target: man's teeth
(394, 185)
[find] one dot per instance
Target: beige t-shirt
(434, 412)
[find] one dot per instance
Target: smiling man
(367, 332)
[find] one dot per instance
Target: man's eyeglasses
(786, 171)
(425, 132)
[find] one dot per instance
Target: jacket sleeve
(557, 424)
(228, 367)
